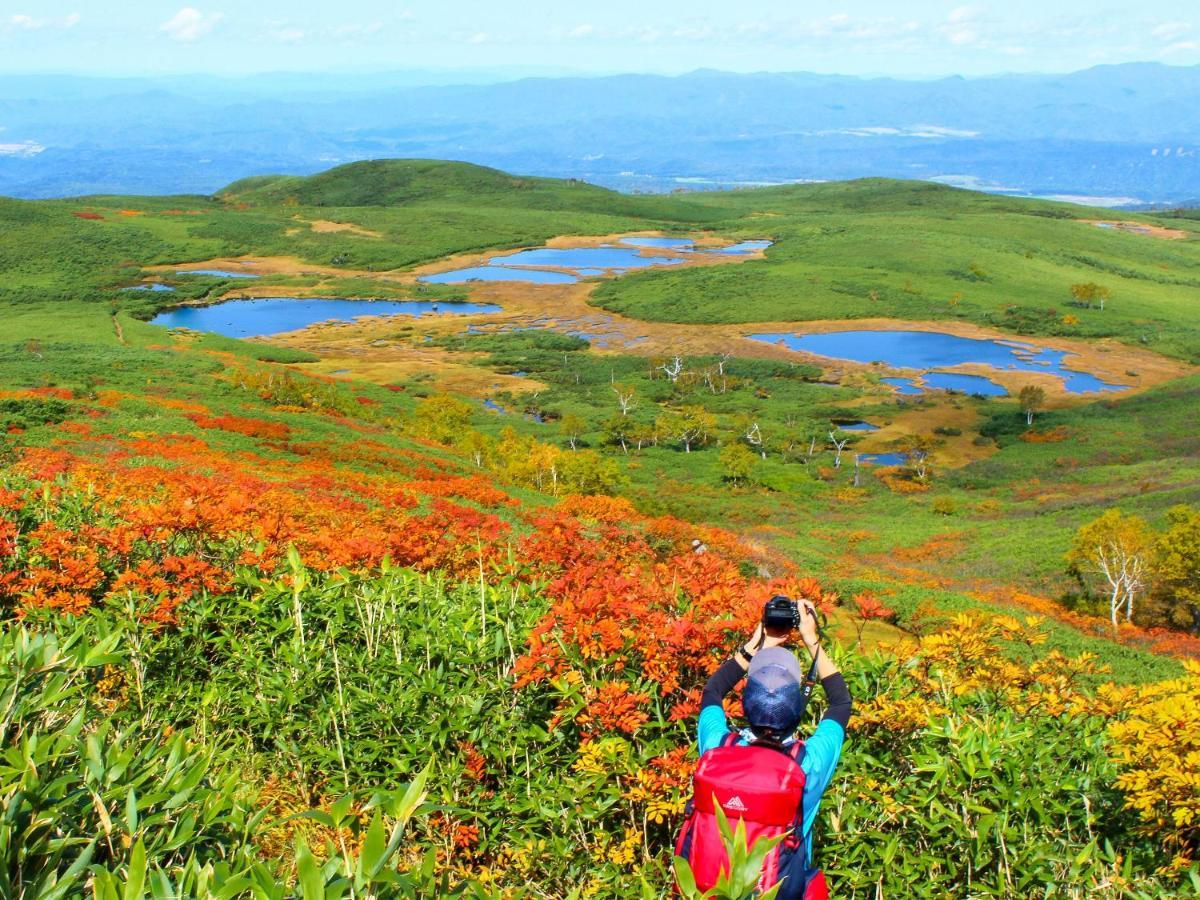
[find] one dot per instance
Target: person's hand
(760, 639)
(808, 624)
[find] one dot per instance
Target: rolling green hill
(879, 248)
(871, 248)
(401, 182)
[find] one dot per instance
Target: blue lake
(584, 258)
(498, 273)
(662, 243)
(273, 315)
(215, 273)
(964, 384)
(152, 286)
(574, 263)
(923, 350)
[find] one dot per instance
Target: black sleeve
(721, 682)
(838, 696)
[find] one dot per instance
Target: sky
(912, 39)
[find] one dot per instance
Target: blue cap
(773, 697)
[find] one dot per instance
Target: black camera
(781, 614)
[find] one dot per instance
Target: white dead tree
(857, 461)
(755, 439)
(919, 457)
(840, 445)
(673, 369)
(721, 360)
(624, 398)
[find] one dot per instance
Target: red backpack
(763, 785)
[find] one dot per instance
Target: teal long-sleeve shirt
(822, 751)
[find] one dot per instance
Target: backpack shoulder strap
(796, 752)
(731, 738)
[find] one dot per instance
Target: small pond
(274, 315)
(152, 286)
(883, 459)
(498, 273)
(744, 248)
(905, 386)
(924, 350)
(215, 273)
(855, 426)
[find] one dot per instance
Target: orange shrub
(1052, 436)
(239, 425)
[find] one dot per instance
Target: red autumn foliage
(249, 427)
(868, 607)
(614, 707)
(163, 520)
(473, 761)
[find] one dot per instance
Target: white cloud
(694, 32)
(647, 34)
(354, 30)
(962, 26)
(1171, 31)
(29, 23)
(189, 24)
(479, 37)
(288, 34)
(1182, 47)
(581, 31)
(964, 14)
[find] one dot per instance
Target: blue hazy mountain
(1129, 131)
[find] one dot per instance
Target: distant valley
(1114, 136)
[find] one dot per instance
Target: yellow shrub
(1157, 750)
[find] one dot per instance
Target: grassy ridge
(408, 182)
(847, 250)
(888, 249)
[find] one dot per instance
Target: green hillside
(304, 617)
(870, 248)
(400, 182)
(876, 248)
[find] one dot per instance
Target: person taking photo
(765, 774)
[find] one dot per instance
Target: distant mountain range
(1117, 135)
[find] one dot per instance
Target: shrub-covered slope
(243, 596)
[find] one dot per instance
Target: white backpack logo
(735, 803)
